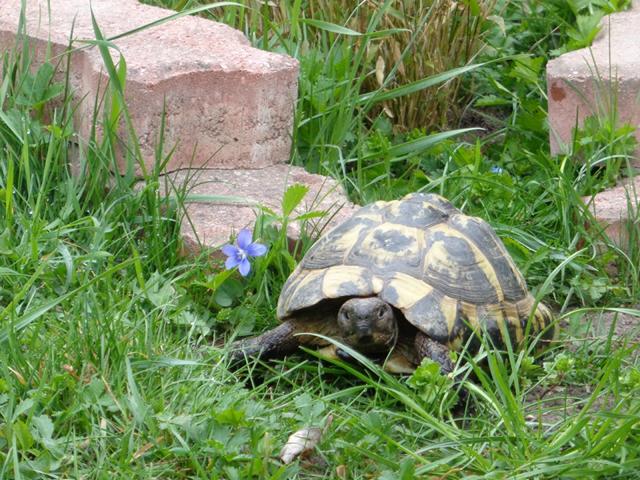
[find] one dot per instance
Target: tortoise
(414, 276)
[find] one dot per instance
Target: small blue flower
(496, 169)
(238, 255)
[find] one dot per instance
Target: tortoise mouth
(373, 343)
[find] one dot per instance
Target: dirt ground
(549, 405)
(626, 326)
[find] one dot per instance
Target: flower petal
(244, 238)
(230, 250)
(256, 249)
(244, 267)
(232, 262)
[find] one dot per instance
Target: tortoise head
(368, 324)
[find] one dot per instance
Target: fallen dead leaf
(70, 370)
(397, 57)
(380, 67)
(19, 376)
(146, 447)
(303, 441)
(300, 443)
(142, 450)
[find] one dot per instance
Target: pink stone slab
(210, 224)
(227, 105)
(580, 83)
(615, 209)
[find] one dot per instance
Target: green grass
(108, 337)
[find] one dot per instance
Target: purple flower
(238, 255)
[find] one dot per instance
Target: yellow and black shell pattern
(448, 273)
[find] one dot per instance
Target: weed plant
(112, 365)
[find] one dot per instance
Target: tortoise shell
(448, 273)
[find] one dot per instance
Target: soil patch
(549, 405)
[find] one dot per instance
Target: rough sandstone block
(580, 83)
(584, 83)
(227, 105)
(211, 224)
(617, 211)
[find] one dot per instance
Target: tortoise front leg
(284, 339)
(439, 353)
(277, 342)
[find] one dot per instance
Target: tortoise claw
(344, 356)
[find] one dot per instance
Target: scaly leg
(283, 339)
(277, 342)
(439, 353)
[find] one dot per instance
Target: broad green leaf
(23, 435)
(42, 430)
(228, 292)
(292, 198)
(222, 298)
(23, 407)
(44, 427)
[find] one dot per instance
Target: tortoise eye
(381, 312)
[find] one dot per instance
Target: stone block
(616, 211)
(227, 105)
(211, 220)
(592, 80)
